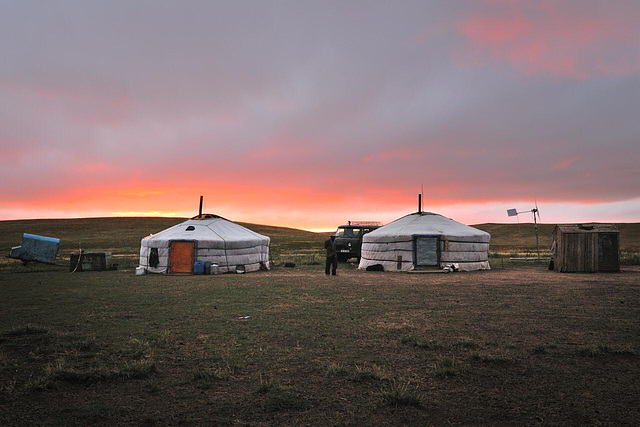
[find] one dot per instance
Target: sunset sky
(311, 113)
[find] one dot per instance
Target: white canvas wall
(459, 243)
(216, 240)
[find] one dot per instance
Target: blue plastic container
(198, 267)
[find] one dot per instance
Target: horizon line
(303, 229)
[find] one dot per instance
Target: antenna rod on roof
(200, 211)
(419, 203)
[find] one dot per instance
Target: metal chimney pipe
(200, 211)
(419, 203)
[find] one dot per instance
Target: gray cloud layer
(377, 94)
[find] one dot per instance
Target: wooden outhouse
(586, 248)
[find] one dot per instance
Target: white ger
(205, 238)
(425, 240)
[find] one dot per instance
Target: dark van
(349, 238)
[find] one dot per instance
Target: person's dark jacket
(330, 246)
(154, 259)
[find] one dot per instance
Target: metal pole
(200, 210)
(537, 242)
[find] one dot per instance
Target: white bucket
(140, 271)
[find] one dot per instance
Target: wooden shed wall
(579, 252)
(582, 252)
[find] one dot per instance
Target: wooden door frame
(193, 255)
(415, 238)
(615, 240)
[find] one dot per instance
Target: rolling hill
(506, 237)
(122, 236)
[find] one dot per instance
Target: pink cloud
(282, 148)
(542, 38)
(493, 30)
(12, 155)
(92, 104)
(564, 164)
(393, 153)
(93, 167)
(229, 118)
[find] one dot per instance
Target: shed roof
(587, 228)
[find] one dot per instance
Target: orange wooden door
(182, 257)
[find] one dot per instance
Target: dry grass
(358, 348)
(287, 244)
(503, 347)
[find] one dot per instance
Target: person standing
(332, 256)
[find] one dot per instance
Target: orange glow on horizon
(302, 208)
(146, 214)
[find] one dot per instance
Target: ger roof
(427, 223)
(210, 227)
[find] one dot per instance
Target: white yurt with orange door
(207, 237)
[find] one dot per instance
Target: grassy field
(514, 346)
(517, 240)
(509, 237)
(122, 236)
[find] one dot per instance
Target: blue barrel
(198, 267)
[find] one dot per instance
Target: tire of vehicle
(342, 258)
